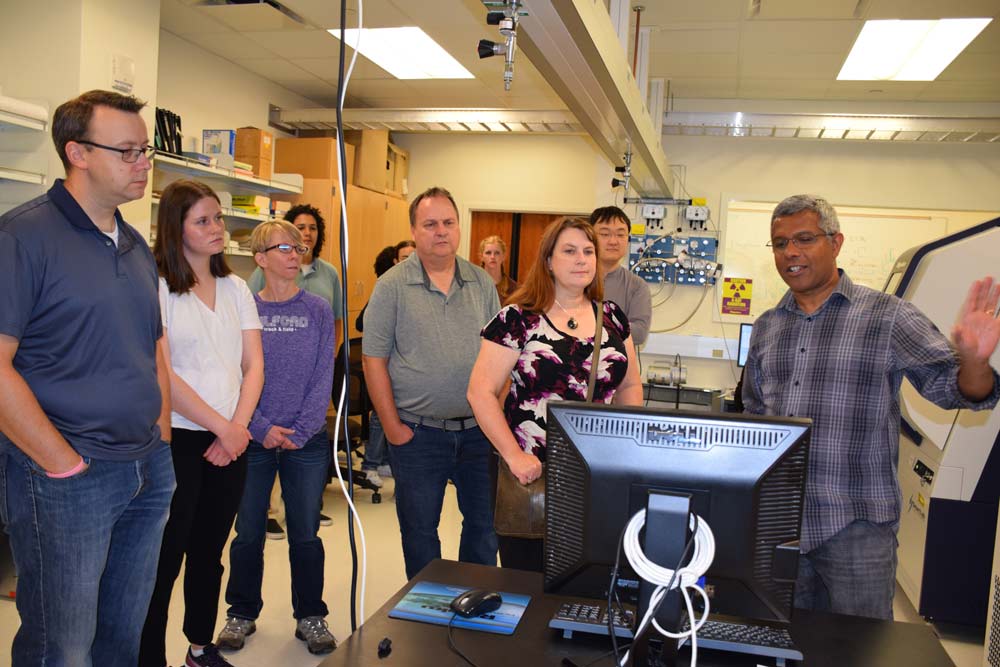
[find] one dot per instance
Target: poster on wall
(736, 293)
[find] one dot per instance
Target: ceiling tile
(799, 36)
(875, 90)
(796, 89)
(931, 9)
(275, 69)
(960, 91)
(697, 88)
(670, 40)
(703, 65)
(818, 66)
(229, 45)
(797, 9)
(378, 87)
(181, 19)
(298, 44)
(252, 17)
(973, 67)
(328, 68)
(665, 12)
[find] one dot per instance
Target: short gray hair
(828, 221)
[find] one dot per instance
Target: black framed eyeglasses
(129, 155)
(286, 248)
(803, 240)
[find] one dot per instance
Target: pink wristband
(69, 473)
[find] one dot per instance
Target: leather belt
(454, 424)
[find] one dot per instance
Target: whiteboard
(873, 239)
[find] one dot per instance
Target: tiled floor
(274, 643)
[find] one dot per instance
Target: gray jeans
(853, 572)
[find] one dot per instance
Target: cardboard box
(214, 142)
(252, 142)
(261, 167)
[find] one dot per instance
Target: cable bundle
(684, 578)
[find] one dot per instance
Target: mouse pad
(429, 602)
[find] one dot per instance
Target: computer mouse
(476, 603)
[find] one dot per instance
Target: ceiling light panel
(406, 53)
(895, 50)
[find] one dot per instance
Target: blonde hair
(262, 234)
(495, 240)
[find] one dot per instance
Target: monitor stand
(665, 534)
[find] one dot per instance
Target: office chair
(357, 417)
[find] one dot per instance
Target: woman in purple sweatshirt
(290, 439)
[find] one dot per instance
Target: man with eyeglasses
(836, 352)
(85, 469)
(622, 286)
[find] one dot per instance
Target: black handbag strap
(596, 359)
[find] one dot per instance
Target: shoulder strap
(596, 359)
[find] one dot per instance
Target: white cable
(687, 578)
(345, 387)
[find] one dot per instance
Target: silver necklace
(571, 322)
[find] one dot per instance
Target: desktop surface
(827, 640)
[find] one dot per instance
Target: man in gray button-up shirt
(421, 338)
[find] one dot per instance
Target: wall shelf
(9, 120)
(19, 176)
(231, 213)
(225, 179)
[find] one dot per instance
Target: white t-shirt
(206, 347)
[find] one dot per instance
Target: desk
(826, 640)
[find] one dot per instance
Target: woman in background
(216, 374)
(492, 253)
(290, 440)
(543, 343)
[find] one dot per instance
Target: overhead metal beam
(574, 46)
(515, 121)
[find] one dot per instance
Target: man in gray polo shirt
(421, 339)
(86, 476)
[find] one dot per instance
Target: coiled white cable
(686, 579)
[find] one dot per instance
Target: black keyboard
(592, 619)
(749, 638)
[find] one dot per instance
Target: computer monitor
(744, 347)
(745, 476)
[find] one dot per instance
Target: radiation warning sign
(736, 293)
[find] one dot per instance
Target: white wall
(528, 174)
(54, 50)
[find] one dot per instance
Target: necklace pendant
(572, 323)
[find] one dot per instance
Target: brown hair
(168, 251)
(426, 194)
(71, 121)
(538, 291)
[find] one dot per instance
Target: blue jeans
(853, 572)
(85, 549)
(422, 468)
(303, 476)
(375, 454)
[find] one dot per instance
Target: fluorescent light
(908, 50)
(406, 53)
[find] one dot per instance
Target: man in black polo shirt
(85, 472)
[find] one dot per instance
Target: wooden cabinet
(379, 165)
(374, 220)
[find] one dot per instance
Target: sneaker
(274, 530)
(324, 520)
(373, 477)
(314, 631)
(234, 634)
(209, 658)
(384, 471)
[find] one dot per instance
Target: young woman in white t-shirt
(216, 374)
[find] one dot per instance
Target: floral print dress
(554, 366)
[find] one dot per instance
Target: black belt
(454, 424)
